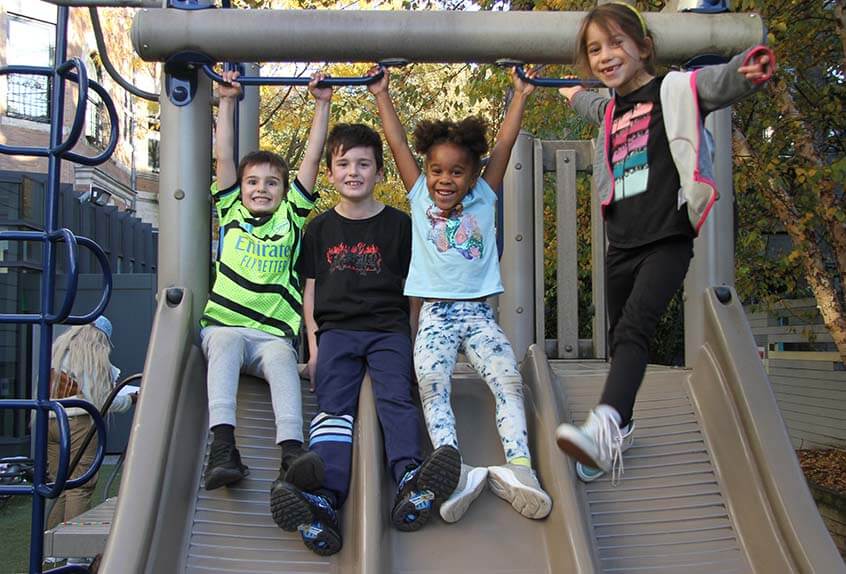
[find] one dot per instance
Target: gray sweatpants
(231, 351)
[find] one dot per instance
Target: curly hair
(469, 133)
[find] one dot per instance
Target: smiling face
(262, 189)
(450, 173)
(354, 173)
(615, 59)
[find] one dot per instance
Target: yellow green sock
(522, 461)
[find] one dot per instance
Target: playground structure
(721, 494)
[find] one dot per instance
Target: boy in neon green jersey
(255, 306)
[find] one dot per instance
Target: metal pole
(418, 36)
(567, 273)
(517, 304)
(45, 332)
(713, 261)
(248, 114)
(184, 203)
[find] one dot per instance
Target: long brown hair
(629, 20)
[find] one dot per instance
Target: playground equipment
(721, 493)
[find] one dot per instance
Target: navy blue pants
(641, 282)
(342, 359)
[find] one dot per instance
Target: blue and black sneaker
(311, 514)
(422, 486)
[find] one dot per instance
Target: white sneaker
(470, 486)
(590, 473)
(597, 443)
(519, 485)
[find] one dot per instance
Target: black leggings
(641, 283)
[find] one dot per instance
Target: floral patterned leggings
(447, 327)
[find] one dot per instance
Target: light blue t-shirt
(454, 257)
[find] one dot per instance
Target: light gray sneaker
(470, 486)
(590, 473)
(519, 485)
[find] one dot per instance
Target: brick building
(115, 203)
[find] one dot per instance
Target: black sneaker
(312, 515)
(224, 466)
(303, 469)
(422, 486)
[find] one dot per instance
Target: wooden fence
(807, 375)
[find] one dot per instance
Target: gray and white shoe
(598, 443)
(590, 473)
(518, 485)
(470, 486)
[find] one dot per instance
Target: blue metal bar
(79, 115)
(100, 425)
(106, 284)
(73, 274)
(294, 80)
(51, 213)
(113, 131)
(555, 82)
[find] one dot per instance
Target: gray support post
(567, 254)
(597, 266)
(420, 36)
(248, 114)
(184, 202)
(713, 261)
(517, 304)
(539, 242)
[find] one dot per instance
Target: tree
(789, 147)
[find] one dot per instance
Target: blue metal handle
(79, 115)
(53, 489)
(106, 284)
(100, 425)
(554, 82)
(295, 81)
(73, 275)
(113, 131)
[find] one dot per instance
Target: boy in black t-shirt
(354, 260)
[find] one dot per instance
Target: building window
(30, 43)
(153, 155)
(96, 116)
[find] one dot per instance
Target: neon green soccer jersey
(256, 283)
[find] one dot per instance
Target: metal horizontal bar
(108, 3)
(419, 36)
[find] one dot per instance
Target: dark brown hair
(344, 137)
(630, 22)
(261, 157)
(469, 133)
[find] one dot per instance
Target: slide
(711, 484)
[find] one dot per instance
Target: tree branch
(806, 151)
(805, 238)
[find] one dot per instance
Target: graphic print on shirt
(360, 258)
(629, 136)
(457, 231)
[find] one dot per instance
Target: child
(81, 370)
(253, 313)
(454, 268)
(652, 159)
(355, 259)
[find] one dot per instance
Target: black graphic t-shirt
(359, 266)
(646, 205)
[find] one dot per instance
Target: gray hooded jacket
(686, 98)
